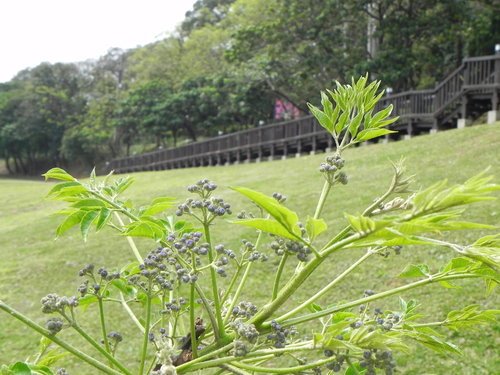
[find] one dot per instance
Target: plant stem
(194, 345)
(103, 326)
(146, 331)
(56, 340)
(322, 199)
(282, 370)
(279, 272)
(238, 291)
(215, 289)
(326, 288)
(188, 365)
(131, 242)
(131, 313)
(99, 348)
(361, 301)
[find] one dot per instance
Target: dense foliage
(224, 69)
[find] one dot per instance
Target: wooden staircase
(468, 92)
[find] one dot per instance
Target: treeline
(224, 69)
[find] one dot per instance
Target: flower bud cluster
(174, 305)
(336, 364)
(244, 310)
(378, 359)
(54, 325)
(215, 206)
(108, 276)
(116, 337)
(189, 242)
(282, 246)
(280, 334)
(203, 187)
(279, 197)
(247, 332)
(220, 249)
(53, 303)
(331, 169)
(87, 270)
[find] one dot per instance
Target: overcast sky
(35, 31)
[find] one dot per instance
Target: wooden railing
(478, 74)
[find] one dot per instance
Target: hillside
(33, 264)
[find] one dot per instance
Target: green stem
(361, 301)
(103, 326)
(194, 345)
(322, 199)
(208, 309)
(188, 365)
(326, 288)
(279, 272)
(215, 289)
(56, 340)
(131, 242)
(238, 292)
(131, 313)
(282, 370)
(146, 331)
(98, 347)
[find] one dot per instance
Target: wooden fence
(477, 79)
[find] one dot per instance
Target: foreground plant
(185, 296)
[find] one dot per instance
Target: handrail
(474, 73)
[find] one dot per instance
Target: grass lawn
(33, 264)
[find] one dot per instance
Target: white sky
(36, 31)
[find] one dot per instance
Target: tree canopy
(225, 68)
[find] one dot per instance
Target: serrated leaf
(86, 222)
(367, 134)
(89, 203)
(73, 219)
(339, 127)
(123, 184)
(158, 205)
(380, 116)
(287, 218)
(355, 123)
(415, 270)
(104, 215)
(315, 227)
(323, 119)
(58, 174)
(268, 226)
(144, 229)
(124, 287)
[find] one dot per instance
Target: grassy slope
(32, 264)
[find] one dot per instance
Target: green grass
(33, 264)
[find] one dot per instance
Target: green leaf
(158, 205)
(355, 369)
(315, 227)
(380, 116)
(86, 222)
(367, 134)
(268, 226)
(73, 219)
(470, 317)
(89, 203)
(428, 338)
(322, 117)
(339, 127)
(280, 213)
(20, 368)
(58, 174)
(415, 270)
(122, 184)
(124, 287)
(104, 216)
(147, 229)
(355, 123)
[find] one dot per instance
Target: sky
(36, 31)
